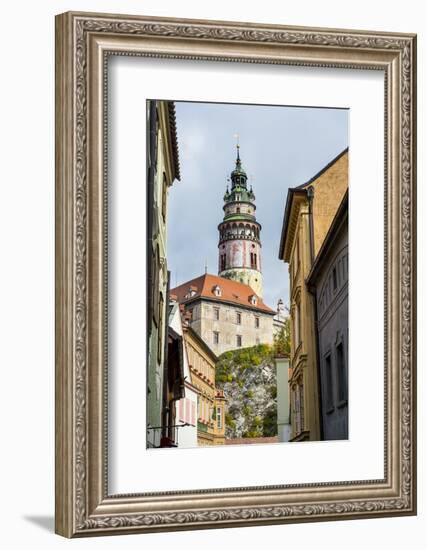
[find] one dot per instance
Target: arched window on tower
(253, 260)
(222, 259)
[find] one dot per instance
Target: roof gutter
(292, 191)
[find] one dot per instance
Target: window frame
(341, 373)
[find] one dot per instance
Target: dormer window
(253, 299)
(192, 291)
(217, 290)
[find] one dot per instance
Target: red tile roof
(231, 292)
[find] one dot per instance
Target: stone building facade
(225, 314)
(309, 212)
(210, 401)
(239, 247)
(328, 281)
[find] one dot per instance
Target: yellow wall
(329, 190)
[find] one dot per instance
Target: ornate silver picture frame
(84, 42)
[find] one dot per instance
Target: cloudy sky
(280, 147)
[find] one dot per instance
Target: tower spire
(239, 244)
(237, 149)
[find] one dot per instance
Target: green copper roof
(239, 191)
(239, 194)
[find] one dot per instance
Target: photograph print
(248, 267)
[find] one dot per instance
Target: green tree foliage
(282, 340)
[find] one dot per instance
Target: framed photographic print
(235, 274)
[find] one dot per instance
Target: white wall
(284, 428)
(27, 274)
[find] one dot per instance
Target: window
(329, 403)
(155, 288)
(218, 418)
(222, 262)
(298, 407)
(341, 375)
(159, 339)
(238, 210)
(192, 291)
(256, 322)
(216, 337)
(301, 406)
(297, 410)
(334, 278)
(164, 196)
(296, 258)
(239, 341)
(239, 318)
(253, 260)
(297, 325)
(216, 313)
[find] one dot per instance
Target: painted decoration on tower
(248, 268)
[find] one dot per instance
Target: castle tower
(239, 248)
